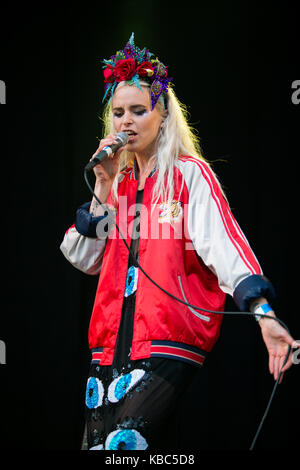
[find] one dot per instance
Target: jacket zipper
(199, 315)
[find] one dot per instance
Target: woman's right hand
(106, 171)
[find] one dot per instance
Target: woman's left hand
(277, 340)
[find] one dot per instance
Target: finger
(109, 140)
(276, 367)
(113, 135)
(288, 339)
(281, 377)
(113, 138)
(271, 364)
(280, 368)
(288, 364)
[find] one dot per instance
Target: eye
(118, 114)
(121, 385)
(94, 393)
(140, 112)
(131, 281)
(125, 439)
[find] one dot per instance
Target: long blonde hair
(177, 137)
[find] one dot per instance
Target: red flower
(144, 68)
(124, 69)
(108, 74)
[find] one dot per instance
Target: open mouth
(132, 135)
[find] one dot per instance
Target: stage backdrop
(234, 66)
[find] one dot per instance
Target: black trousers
(136, 408)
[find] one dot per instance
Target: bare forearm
(102, 191)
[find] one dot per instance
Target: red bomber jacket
(192, 247)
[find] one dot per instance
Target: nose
(127, 118)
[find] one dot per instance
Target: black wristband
(85, 223)
(251, 288)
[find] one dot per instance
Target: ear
(164, 116)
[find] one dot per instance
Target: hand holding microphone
(105, 163)
(108, 153)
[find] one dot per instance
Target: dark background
(233, 64)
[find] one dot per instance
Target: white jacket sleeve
(82, 252)
(214, 233)
(84, 243)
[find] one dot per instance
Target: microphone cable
(136, 264)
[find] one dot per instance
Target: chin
(133, 147)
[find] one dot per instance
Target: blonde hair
(177, 137)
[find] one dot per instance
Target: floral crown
(132, 64)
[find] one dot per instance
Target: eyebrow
(134, 106)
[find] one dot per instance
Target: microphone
(122, 137)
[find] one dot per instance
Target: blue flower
(94, 393)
